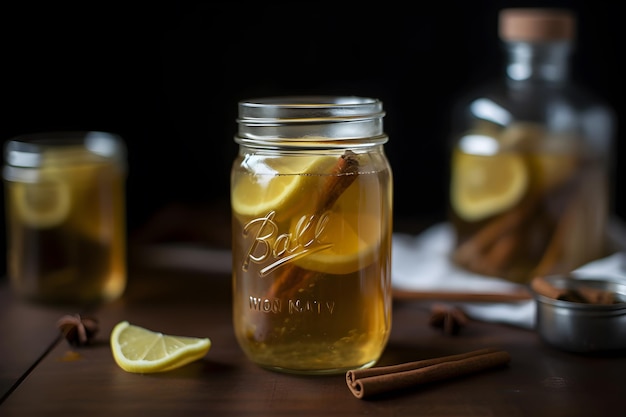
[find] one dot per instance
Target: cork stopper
(536, 24)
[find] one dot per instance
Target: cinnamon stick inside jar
(343, 174)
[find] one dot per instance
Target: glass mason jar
(530, 165)
(65, 213)
(311, 196)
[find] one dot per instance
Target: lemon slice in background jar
(485, 185)
(279, 184)
(42, 204)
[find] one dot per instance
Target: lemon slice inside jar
(42, 204)
(279, 184)
(485, 185)
(353, 246)
(349, 237)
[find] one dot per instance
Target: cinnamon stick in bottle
(493, 249)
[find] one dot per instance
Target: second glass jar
(65, 215)
(311, 195)
(530, 167)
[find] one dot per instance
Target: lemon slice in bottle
(139, 350)
(278, 184)
(485, 185)
(43, 204)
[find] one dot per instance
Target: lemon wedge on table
(278, 184)
(485, 185)
(139, 350)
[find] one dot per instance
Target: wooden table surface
(41, 374)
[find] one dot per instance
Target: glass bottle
(530, 168)
(65, 213)
(311, 196)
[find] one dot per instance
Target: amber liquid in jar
(311, 257)
(65, 221)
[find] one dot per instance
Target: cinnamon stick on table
(373, 381)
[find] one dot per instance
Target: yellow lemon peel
(139, 350)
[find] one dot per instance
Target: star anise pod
(449, 319)
(78, 330)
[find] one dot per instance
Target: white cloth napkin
(421, 263)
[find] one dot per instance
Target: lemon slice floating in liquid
(353, 246)
(43, 204)
(278, 184)
(353, 231)
(482, 186)
(139, 350)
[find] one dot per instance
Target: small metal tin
(581, 327)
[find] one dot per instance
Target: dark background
(167, 77)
